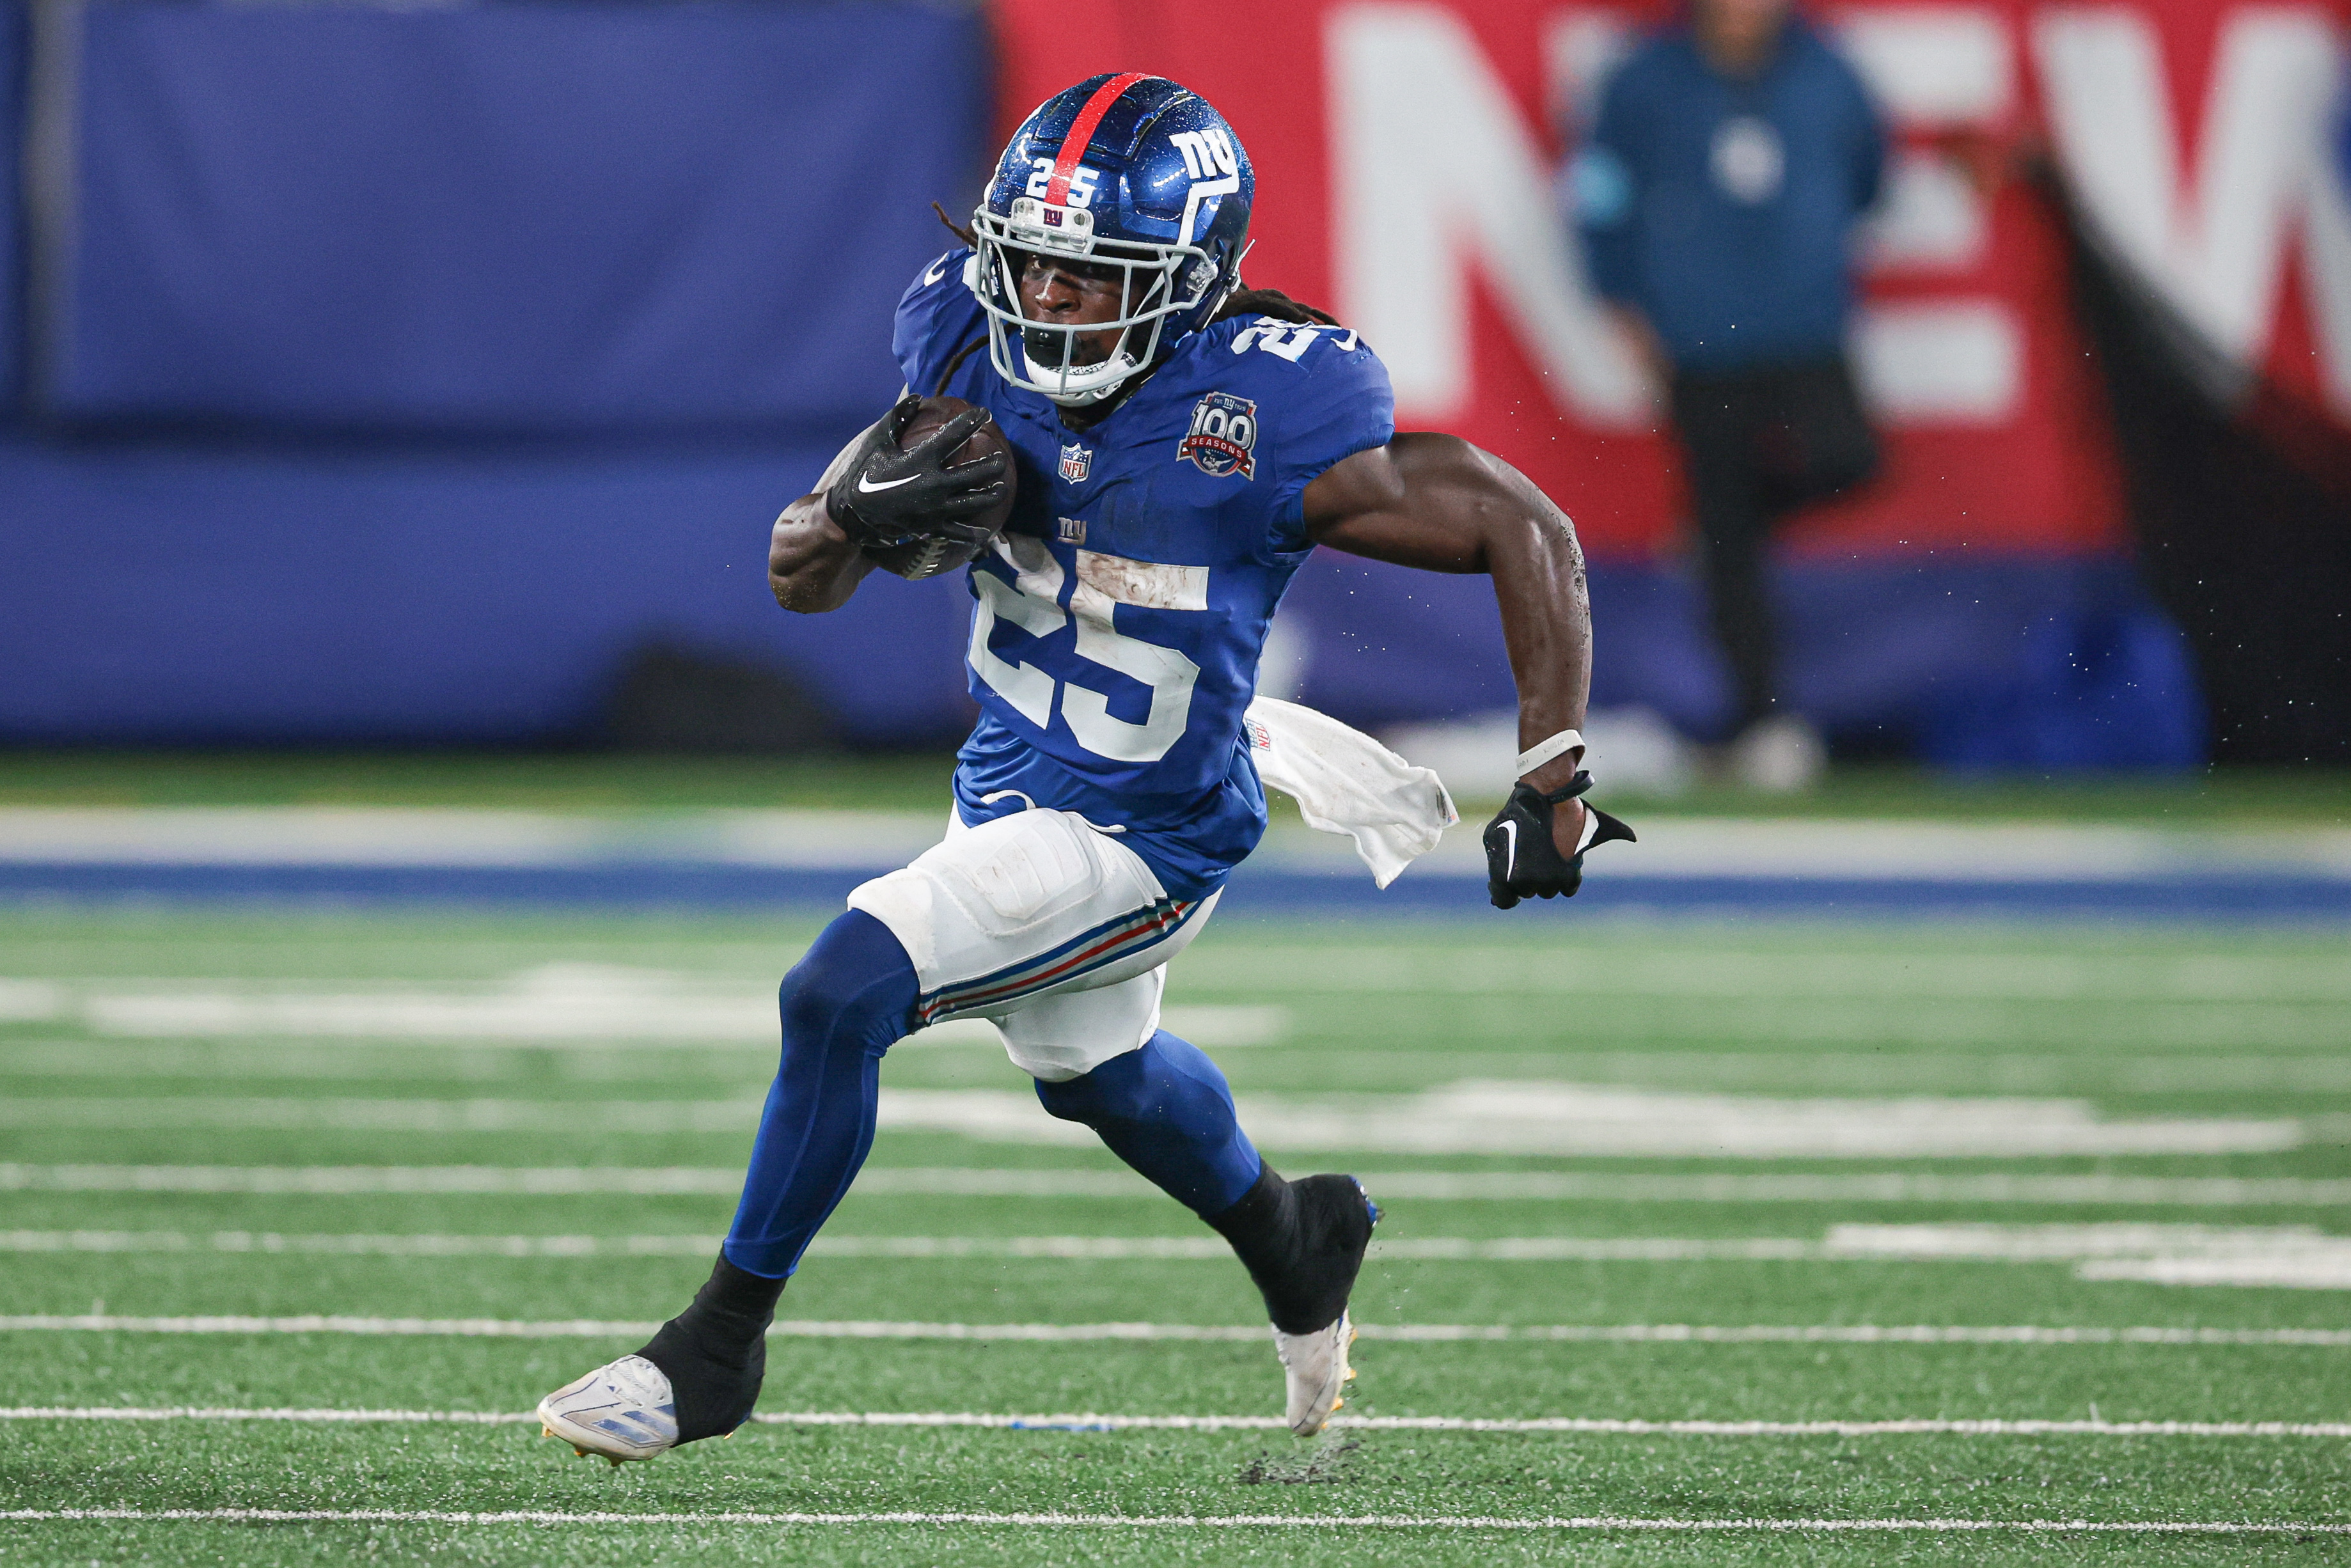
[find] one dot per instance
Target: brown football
(928, 558)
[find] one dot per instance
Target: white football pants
(1050, 927)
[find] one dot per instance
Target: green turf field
(459, 1134)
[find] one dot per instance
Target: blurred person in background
(1717, 195)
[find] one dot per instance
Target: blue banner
(164, 593)
(536, 218)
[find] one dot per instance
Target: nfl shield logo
(1076, 463)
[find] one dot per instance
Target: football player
(1182, 444)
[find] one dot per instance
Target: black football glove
(1522, 861)
(890, 496)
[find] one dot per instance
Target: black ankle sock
(1303, 1242)
(714, 1353)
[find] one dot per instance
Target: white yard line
(1684, 971)
(1795, 993)
(1503, 1116)
(1598, 1523)
(1885, 1187)
(457, 836)
(951, 1181)
(1184, 1249)
(339, 1114)
(555, 1181)
(1426, 1334)
(1599, 1426)
(2094, 1069)
(2071, 1065)
(1472, 1116)
(553, 1006)
(2276, 1256)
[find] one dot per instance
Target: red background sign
(1997, 429)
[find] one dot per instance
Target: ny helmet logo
(1077, 462)
(1223, 436)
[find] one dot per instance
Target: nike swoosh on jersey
(937, 270)
(865, 486)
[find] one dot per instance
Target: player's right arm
(816, 557)
(875, 494)
(812, 563)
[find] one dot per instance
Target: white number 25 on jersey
(1103, 582)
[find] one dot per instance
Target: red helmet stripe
(1082, 131)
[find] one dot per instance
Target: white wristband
(1565, 741)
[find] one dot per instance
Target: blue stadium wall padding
(156, 595)
(2016, 662)
(548, 217)
(15, 21)
(161, 593)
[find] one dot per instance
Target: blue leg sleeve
(848, 1000)
(1166, 1110)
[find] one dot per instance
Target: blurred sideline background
(425, 377)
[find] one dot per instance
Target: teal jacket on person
(1724, 208)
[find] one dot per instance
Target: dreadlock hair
(954, 228)
(1246, 301)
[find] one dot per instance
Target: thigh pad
(1028, 906)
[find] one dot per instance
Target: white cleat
(1316, 1367)
(623, 1410)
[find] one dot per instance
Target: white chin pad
(1086, 383)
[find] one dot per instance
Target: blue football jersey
(1116, 626)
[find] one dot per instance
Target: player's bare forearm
(811, 565)
(1437, 503)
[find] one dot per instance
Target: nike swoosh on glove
(889, 495)
(1522, 861)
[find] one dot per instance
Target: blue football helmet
(1129, 173)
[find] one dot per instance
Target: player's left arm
(1439, 503)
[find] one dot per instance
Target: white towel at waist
(1346, 782)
